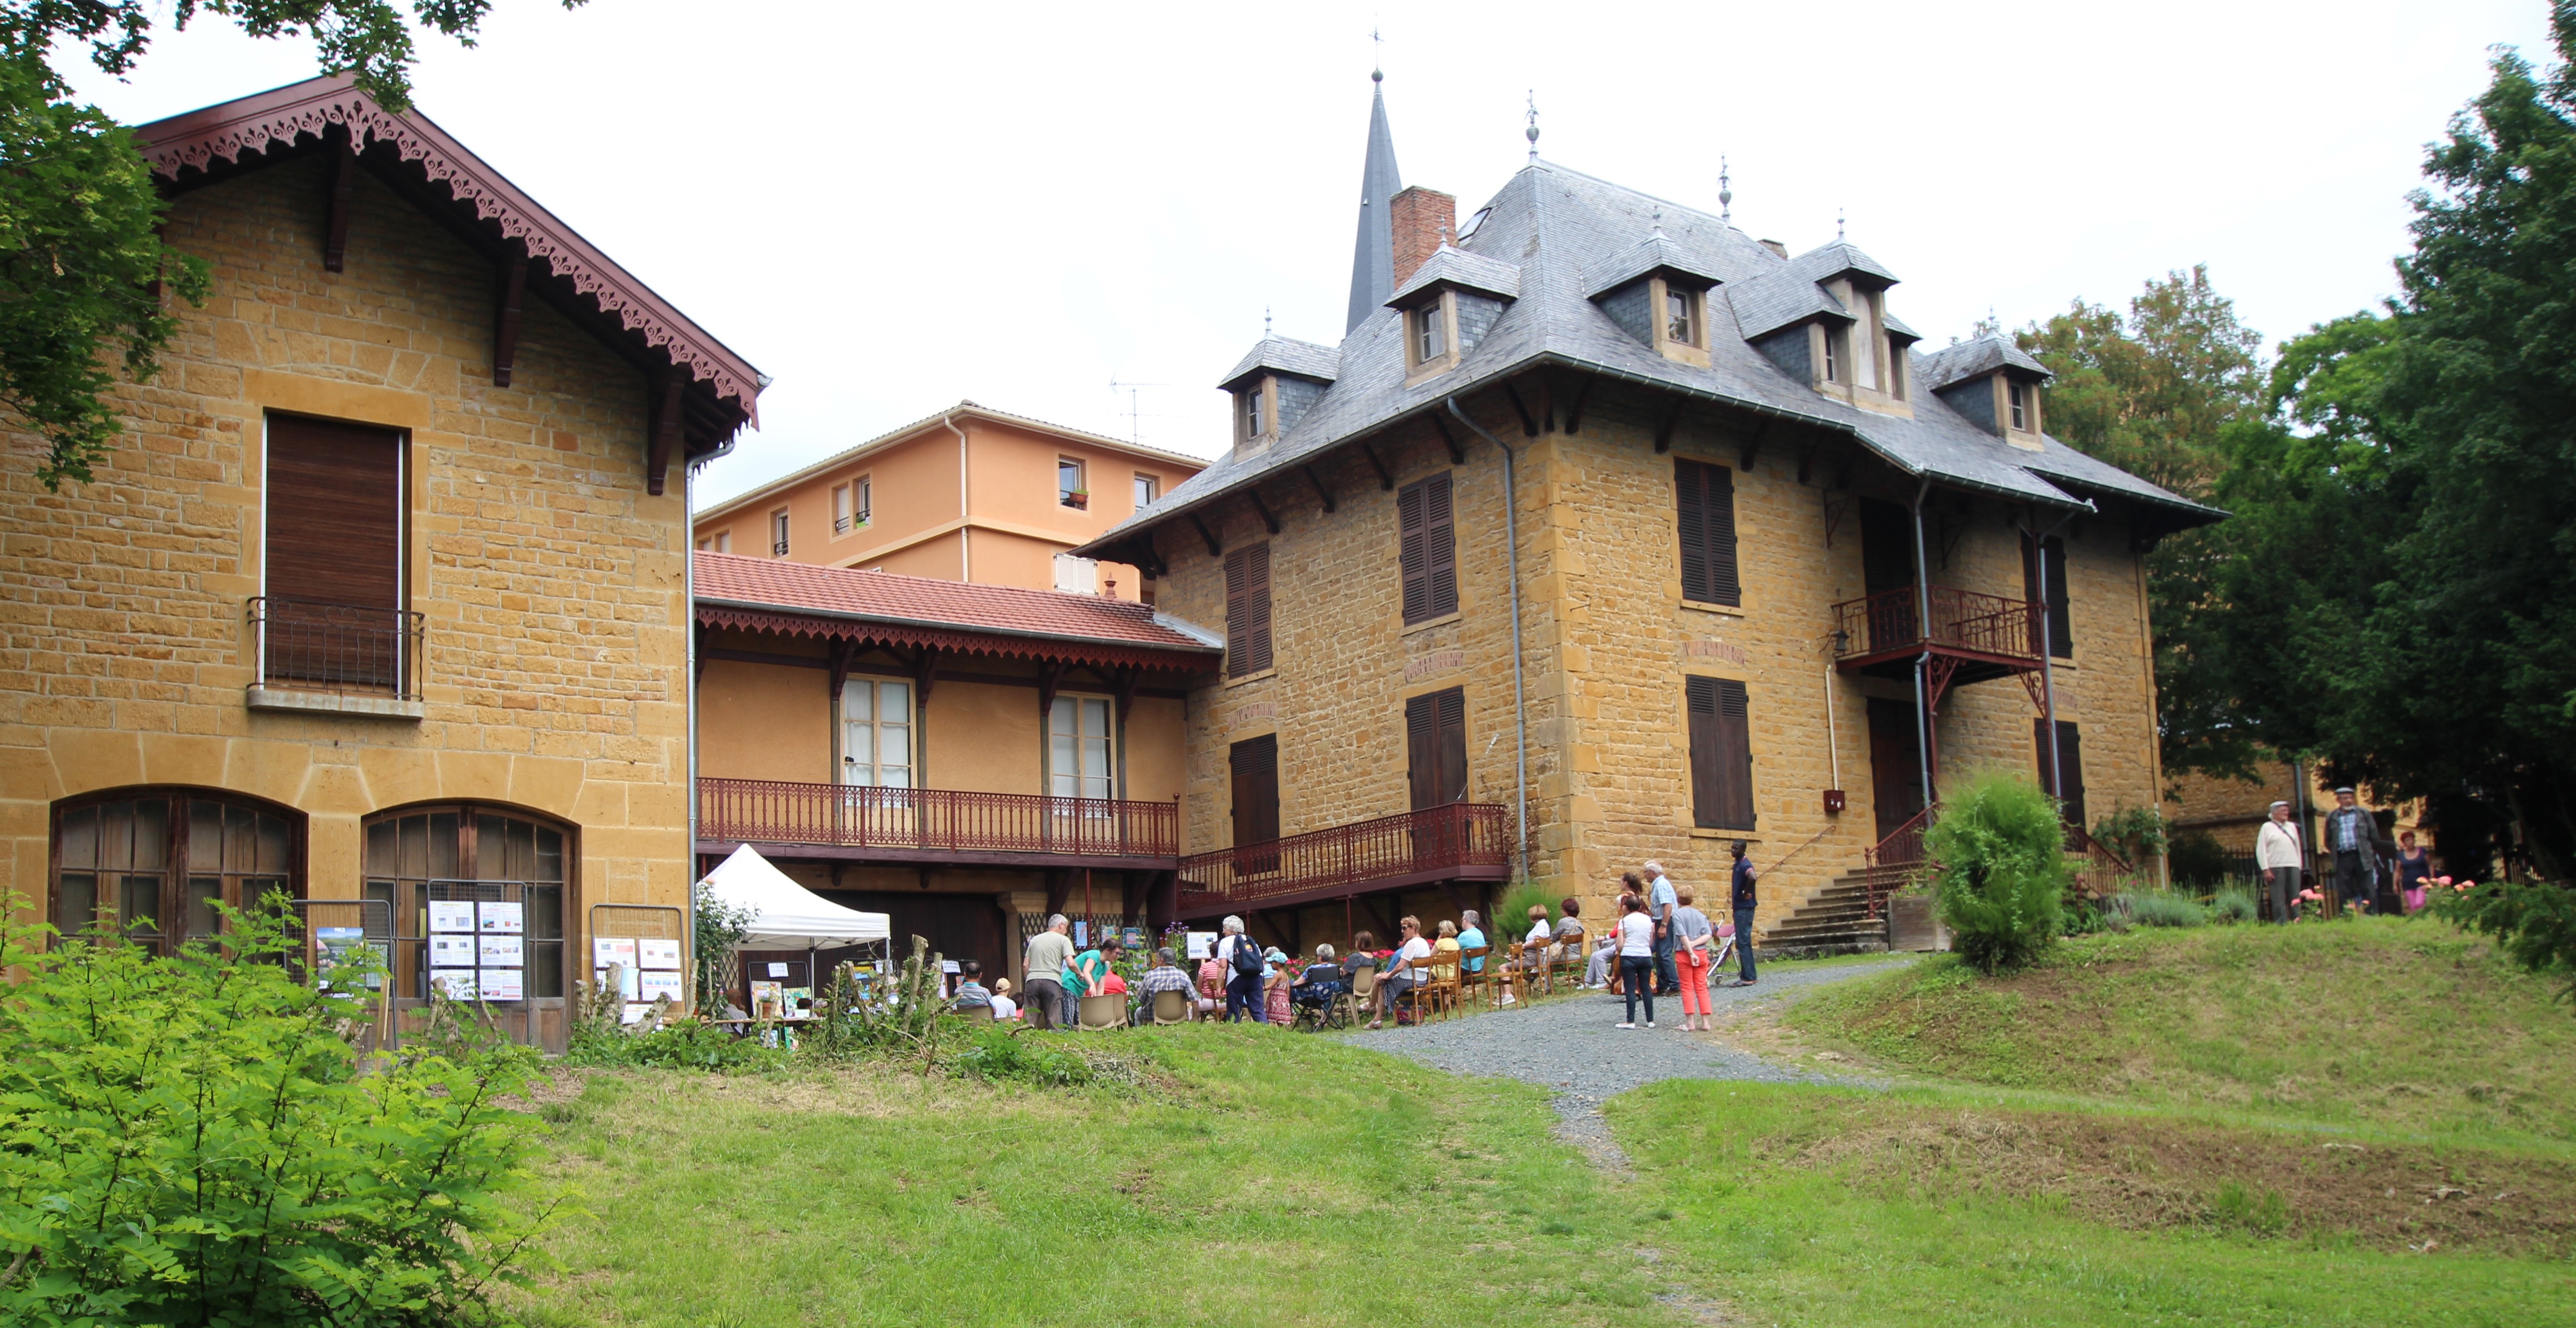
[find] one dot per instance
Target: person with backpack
(1242, 961)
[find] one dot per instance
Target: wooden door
(1895, 764)
(1435, 733)
(1255, 763)
(2069, 787)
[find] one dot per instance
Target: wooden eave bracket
(1215, 550)
(1457, 454)
(344, 194)
(1582, 394)
(1529, 425)
(1664, 435)
(505, 317)
(1385, 479)
(1753, 449)
(1322, 494)
(1267, 518)
(666, 432)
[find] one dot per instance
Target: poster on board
(500, 984)
(630, 982)
(451, 915)
(606, 950)
(654, 986)
(337, 948)
(651, 955)
(1202, 944)
(501, 952)
(496, 916)
(453, 951)
(456, 983)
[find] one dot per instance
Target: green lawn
(2394, 1023)
(1328, 1181)
(1796, 1233)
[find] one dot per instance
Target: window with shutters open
(1704, 497)
(1427, 547)
(2049, 555)
(1247, 611)
(1721, 753)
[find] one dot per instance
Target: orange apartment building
(380, 600)
(963, 758)
(968, 494)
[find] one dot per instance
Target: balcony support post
(1923, 661)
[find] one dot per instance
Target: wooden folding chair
(1472, 982)
(1572, 955)
(1438, 989)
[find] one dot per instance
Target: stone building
(382, 596)
(965, 759)
(1610, 532)
(969, 494)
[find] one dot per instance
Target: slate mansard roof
(1565, 234)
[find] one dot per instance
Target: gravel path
(1572, 1047)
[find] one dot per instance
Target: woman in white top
(1637, 959)
(1406, 971)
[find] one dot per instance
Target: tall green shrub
(2000, 869)
(189, 1141)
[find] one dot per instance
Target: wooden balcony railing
(772, 811)
(1963, 620)
(1461, 838)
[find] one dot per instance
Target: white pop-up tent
(785, 915)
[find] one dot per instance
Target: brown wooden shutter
(1411, 555)
(2061, 628)
(1705, 507)
(334, 499)
(1255, 764)
(2070, 749)
(1435, 739)
(1247, 611)
(1440, 544)
(1700, 700)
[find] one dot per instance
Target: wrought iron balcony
(345, 650)
(1988, 633)
(1461, 841)
(908, 824)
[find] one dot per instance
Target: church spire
(1373, 258)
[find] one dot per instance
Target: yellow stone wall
(1608, 640)
(551, 583)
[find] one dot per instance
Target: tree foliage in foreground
(2001, 877)
(191, 1141)
(83, 272)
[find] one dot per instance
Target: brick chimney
(1420, 218)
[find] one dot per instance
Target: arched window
(153, 862)
(463, 853)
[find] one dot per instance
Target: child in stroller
(1319, 989)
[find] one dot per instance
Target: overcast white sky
(890, 208)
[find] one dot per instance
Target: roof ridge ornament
(1838, 225)
(1725, 194)
(1533, 125)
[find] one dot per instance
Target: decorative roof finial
(1533, 124)
(1725, 194)
(1377, 60)
(1265, 322)
(1838, 225)
(1658, 232)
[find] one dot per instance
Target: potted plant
(1077, 498)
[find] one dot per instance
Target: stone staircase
(1833, 919)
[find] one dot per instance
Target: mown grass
(2396, 1023)
(1791, 1233)
(1321, 1181)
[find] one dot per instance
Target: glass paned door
(876, 734)
(1078, 747)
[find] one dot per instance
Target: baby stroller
(1721, 950)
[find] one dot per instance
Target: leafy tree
(83, 270)
(1999, 855)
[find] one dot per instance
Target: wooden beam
(1050, 677)
(1152, 563)
(1267, 518)
(665, 439)
(505, 318)
(344, 194)
(1123, 686)
(843, 650)
(1529, 426)
(925, 673)
(1807, 460)
(1322, 494)
(1753, 449)
(1457, 454)
(1574, 413)
(1215, 550)
(1385, 480)
(1664, 435)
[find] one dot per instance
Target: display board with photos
(478, 949)
(648, 970)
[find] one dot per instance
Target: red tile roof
(771, 594)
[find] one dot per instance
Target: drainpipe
(2047, 653)
(689, 690)
(1520, 698)
(1923, 661)
(965, 531)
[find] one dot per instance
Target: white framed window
(1681, 316)
(1145, 490)
(778, 533)
(2020, 397)
(1833, 356)
(1430, 334)
(1248, 424)
(1078, 755)
(876, 733)
(1069, 488)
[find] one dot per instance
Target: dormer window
(1430, 334)
(1252, 421)
(2019, 393)
(1833, 355)
(1681, 316)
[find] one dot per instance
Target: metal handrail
(1900, 856)
(773, 811)
(305, 645)
(1458, 835)
(1961, 620)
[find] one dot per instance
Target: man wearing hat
(2353, 835)
(2277, 855)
